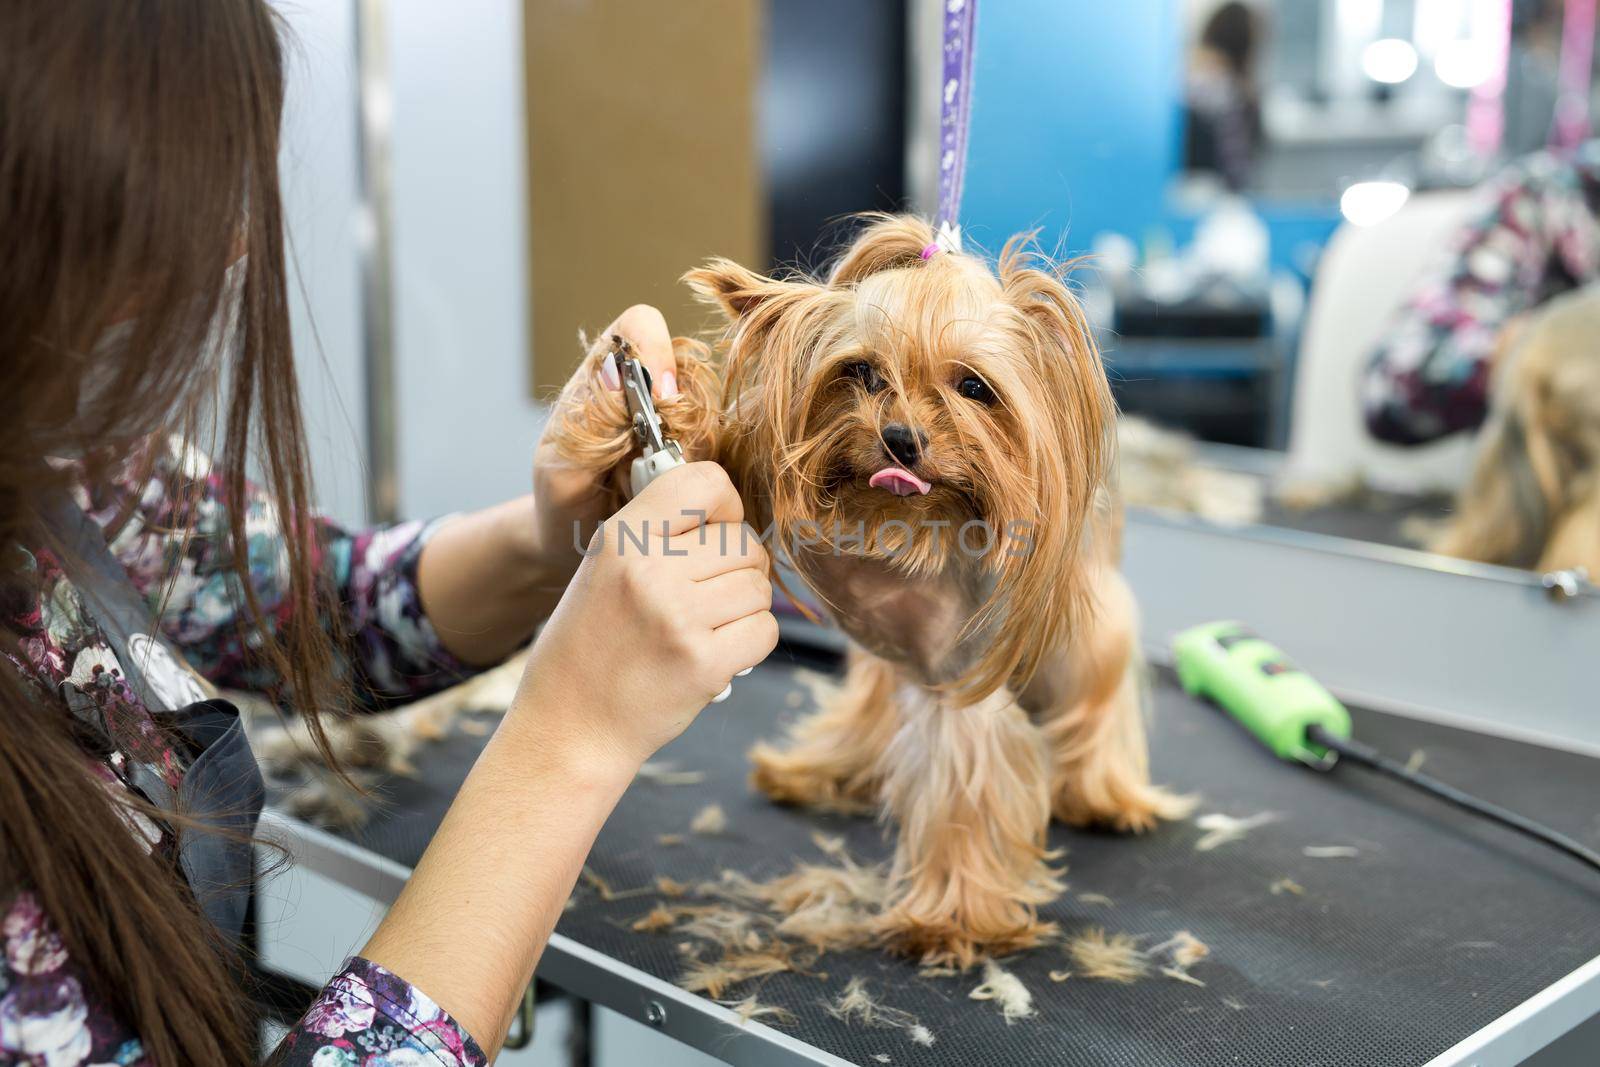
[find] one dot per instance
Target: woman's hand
(646, 636)
(569, 502)
(642, 640)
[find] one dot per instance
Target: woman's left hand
(569, 503)
(488, 578)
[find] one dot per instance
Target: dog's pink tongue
(899, 481)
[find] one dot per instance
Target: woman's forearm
(487, 582)
(470, 925)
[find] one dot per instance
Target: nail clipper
(658, 452)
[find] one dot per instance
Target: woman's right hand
(645, 637)
(640, 642)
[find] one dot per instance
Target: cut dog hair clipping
(1222, 829)
(1006, 990)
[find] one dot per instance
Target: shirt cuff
(432, 648)
(393, 641)
(371, 1012)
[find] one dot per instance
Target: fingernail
(669, 384)
(609, 373)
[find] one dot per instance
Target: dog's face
(920, 411)
(913, 406)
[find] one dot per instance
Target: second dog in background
(1534, 496)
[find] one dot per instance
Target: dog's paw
(788, 777)
(1126, 807)
(958, 915)
(952, 943)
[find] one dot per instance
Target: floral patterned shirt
(1535, 234)
(50, 1015)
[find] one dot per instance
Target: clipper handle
(647, 469)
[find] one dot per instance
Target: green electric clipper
(1255, 683)
(1293, 715)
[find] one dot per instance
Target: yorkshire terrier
(929, 442)
(1534, 496)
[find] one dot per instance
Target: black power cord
(1351, 749)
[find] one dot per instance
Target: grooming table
(1444, 941)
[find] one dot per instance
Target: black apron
(222, 786)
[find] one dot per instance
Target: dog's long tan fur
(990, 687)
(590, 428)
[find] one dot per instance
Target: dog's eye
(865, 373)
(974, 388)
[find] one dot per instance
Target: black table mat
(1438, 926)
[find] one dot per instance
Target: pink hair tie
(931, 250)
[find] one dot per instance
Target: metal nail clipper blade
(658, 453)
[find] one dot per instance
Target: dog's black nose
(904, 443)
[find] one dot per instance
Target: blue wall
(1075, 119)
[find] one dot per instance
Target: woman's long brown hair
(138, 160)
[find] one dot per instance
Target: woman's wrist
(534, 561)
(487, 580)
(558, 737)
(537, 564)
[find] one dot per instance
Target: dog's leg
(1100, 764)
(970, 789)
(832, 757)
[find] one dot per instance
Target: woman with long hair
(143, 315)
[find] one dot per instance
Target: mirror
(1336, 265)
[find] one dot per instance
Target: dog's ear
(738, 291)
(769, 322)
